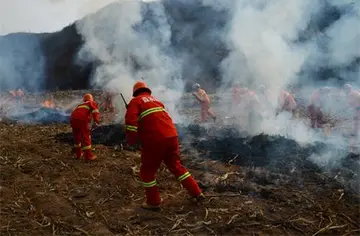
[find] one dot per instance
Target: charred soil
(46, 192)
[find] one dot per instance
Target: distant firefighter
(354, 103)
(248, 110)
(248, 99)
(266, 99)
(108, 101)
(19, 93)
(235, 93)
(204, 100)
(317, 103)
(16, 96)
(147, 120)
(286, 102)
(12, 95)
(80, 119)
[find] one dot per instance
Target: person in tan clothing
(204, 100)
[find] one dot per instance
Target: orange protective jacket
(236, 94)
(19, 93)
(286, 101)
(86, 111)
(249, 99)
(354, 99)
(203, 97)
(147, 120)
(317, 99)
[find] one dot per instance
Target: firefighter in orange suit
(317, 103)
(79, 121)
(147, 120)
(20, 94)
(286, 102)
(204, 100)
(12, 95)
(108, 101)
(235, 93)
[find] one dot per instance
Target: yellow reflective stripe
(95, 111)
(131, 128)
(77, 145)
(149, 111)
(184, 176)
(86, 147)
(149, 184)
(84, 106)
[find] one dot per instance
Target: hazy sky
(43, 15)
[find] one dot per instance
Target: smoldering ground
(276, 43)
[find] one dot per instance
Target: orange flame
(48, 104)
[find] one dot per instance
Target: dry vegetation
(46, 192)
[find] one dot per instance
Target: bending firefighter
(80, 119)
(286, 102)
(204, 100)
(317, 105)
(147, 120)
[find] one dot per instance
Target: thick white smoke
(263, 52)
(40, 16)
(261, 35)
(22, 60)
(264, 48)
(129, 52)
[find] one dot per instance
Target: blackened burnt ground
(276, 154)
(44, 191)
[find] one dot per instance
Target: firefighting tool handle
(126, 105)
(94, 126)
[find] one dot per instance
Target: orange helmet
(88, 97)
(140, 87)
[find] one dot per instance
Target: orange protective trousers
(167, 151)
(206, 111)
(316, 116)
(357, 122)
(82, 138)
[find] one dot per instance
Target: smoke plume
(17, 67)
(23, 62)
(129, 48)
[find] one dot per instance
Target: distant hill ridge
(47, 60)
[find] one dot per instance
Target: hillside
(49, 60)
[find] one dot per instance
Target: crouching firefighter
(80, 119)
(147, 120)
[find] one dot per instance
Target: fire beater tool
(126, 105)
